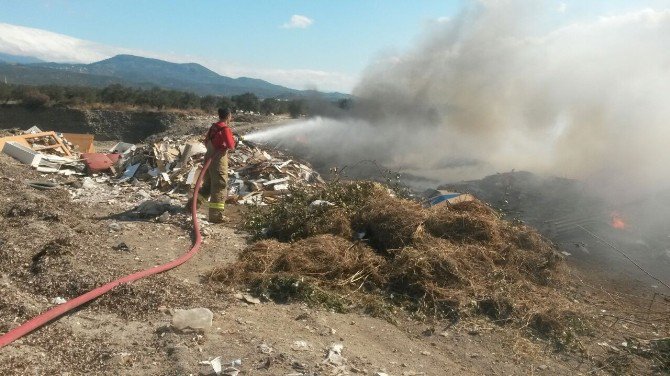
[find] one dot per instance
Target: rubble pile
(258, 177)
(162, 167)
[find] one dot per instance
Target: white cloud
(562, 7)
(54, 47)
(298, 22)
(293, 78)
(49, 46)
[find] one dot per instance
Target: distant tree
(247, 102)
(297, 107)
(5, 92)
(282, 107)
(225, 102)
(163, 98)
(345, 103)
(56, 93)
(117, 93)
(19, 91)
(80, 95)
(209, 103)
(188, 101)
(33, 99)
(270, 105)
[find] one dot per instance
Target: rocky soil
(52, 247)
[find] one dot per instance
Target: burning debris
(617, 221)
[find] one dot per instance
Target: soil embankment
(106, 125)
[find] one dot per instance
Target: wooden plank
(23, 140)
(46, 147)
(82, 140)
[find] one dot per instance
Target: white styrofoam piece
(22, 153)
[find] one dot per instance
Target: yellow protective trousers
(215, 186)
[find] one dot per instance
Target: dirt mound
(448, 261)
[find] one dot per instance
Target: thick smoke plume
(496, 88)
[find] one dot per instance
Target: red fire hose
(57, 311)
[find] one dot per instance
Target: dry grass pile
(298, 271)
(448, 261)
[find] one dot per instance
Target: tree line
(156, 98)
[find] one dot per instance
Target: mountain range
(142, 72)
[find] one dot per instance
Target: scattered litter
(58, 300)
(114, 226)
(121, 246)
(163, 218)
(230, 371)
(129, 172)
(321, 203)
(42, 185)
(88, 183)
(247, 298)
(265, 348)
(334, 355)
(257, 177)
(438, 197)
(194, 319)
(211, 367)
(154, 208)
(300, 346)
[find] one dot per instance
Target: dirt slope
(50, 246)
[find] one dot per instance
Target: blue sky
(337, 41)
(343, 38)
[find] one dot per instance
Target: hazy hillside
(144, 72)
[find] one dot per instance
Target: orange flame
(617, 221)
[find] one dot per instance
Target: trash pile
(167, 166)
(258, 177)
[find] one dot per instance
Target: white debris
(300, 346)
(211, 367)
(58, 300)
(265, 348)
(316, 203)
(88, 183)
(194, 319)
(334, 355)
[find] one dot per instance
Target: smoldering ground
(509, 85)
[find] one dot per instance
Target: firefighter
(219, 140)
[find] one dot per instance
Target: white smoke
(496, 85)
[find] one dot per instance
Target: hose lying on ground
(59, 310)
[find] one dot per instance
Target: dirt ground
(52, 247)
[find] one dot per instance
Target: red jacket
(220, 136)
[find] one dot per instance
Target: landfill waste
(211, 367)
(58, 300)
(300, 346)
(248, 298)
(193, 319)
(165, 168)
(334, 355)
(265, 348)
